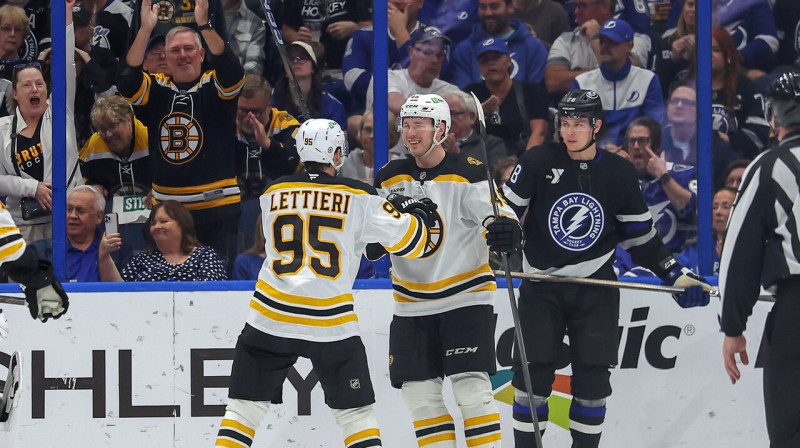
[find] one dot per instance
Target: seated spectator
(577, 51)
(85, 206)
(752, 26)
(155, 56)
(455, 18)
(734, 172)
(738, 115)
(422, 75)
(174, 252)
(248, 264)
(669, 189)
(547, 18)
(26, 145)
(14, 27)
(37, 39)
(326, 22)
(626, 91)
(503, 169)
(721, 210)
(527, 53)
(360, 163)
(116, 159)
(320, 103)
(675, 51)
(515, 111)
(679, 139)
(463, 139)
(264, 145)
(247, 35)
(404, 27)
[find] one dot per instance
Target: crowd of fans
(138, 68)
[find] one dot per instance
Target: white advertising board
(134, 369)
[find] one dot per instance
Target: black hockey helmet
(784, 98)
(581, 103)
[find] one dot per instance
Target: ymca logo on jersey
(180, 138)
(556, 176)
(576, 221)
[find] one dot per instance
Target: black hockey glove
(424, 208)
(696, 289)
(43, 292)
(375, 251)
(504, 234)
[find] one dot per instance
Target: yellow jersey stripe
(194, 189)
(273, 293)
(450, 178)
(6, 253)
(296, 320)
(141, 96)
(450, 281)
(394, 180)
(412, 231)
(488, 286)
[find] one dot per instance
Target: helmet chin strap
(434, 144)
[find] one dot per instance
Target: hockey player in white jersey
(43, 292)
(444, 321)
(317, 226)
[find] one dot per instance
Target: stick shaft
(12, 300)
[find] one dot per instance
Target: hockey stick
(12, 300)
(523, 357)
(287, 65)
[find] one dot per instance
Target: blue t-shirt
(82, 264)
(247, 267)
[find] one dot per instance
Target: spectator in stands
(196, 112)
(329, 23)
(463, 139)
(676, 50)
(626, 91)
(738, 116)
(516, 111)
(360, 163)
(320, 103)
(264, 144)
(174, 252)
(155, 56)
(527, 53)
(110, 21)
(787, 22)
(734, 172)
(37, 38)
(85, 206)
(721, 210)
(577, 51)
(422, 75)
(547, 18)
(752, 26)
(403, 25)
(182, 15)
(248, 264)
(116, 159)
(26, 144)
(679, 139)
(669, 189)
(14, 27)
(247, 35)
(503, 169)
(455, 18)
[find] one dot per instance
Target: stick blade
(479, 106)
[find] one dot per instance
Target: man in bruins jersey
(443, 321)
(191, 121)
(317, 226)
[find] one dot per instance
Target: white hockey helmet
(318, 139)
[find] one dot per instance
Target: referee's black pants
(781, 386)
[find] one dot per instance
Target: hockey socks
(473, 393)
(239, 424)
(359, 427)
(524, 434)
(433, 425)
(586, 419)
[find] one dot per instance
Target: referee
(763, 247)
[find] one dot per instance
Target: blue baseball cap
(492, 44)
(430, 33)
(617, 30)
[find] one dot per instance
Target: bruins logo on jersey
(436, 234)
(180, 138)
(166, 11)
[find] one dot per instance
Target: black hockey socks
(586, 423)
(524, 435)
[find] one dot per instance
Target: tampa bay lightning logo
(576, 221)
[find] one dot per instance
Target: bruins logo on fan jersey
(166, 11)
(180, 138)
(436, 235)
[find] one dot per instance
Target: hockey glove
(504, 234)
(44, 294)
(696, 289)
(424, 208)
(375, 251)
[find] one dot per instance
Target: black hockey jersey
(191, 129)
(578, 211)
(100, 166)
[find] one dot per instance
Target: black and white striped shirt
(762, 246)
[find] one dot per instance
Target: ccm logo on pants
(460, 351)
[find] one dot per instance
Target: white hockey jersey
(11, 243)
(454, 272)
(316, 229)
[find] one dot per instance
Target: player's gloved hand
(374, 251)
(3, 326)
(504, 234)
(697, 290)
(424, 208)
(45, 295)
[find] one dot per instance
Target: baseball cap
(492, 44)
(617, 30)
(431, 32)
(157, 39)
(307, 48)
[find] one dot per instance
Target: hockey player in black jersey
(316, 226)
(581, 202)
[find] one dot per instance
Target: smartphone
(112, 223)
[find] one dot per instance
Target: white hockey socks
(433, 425)
(473, 393)
(359, 427)
(238, 427)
